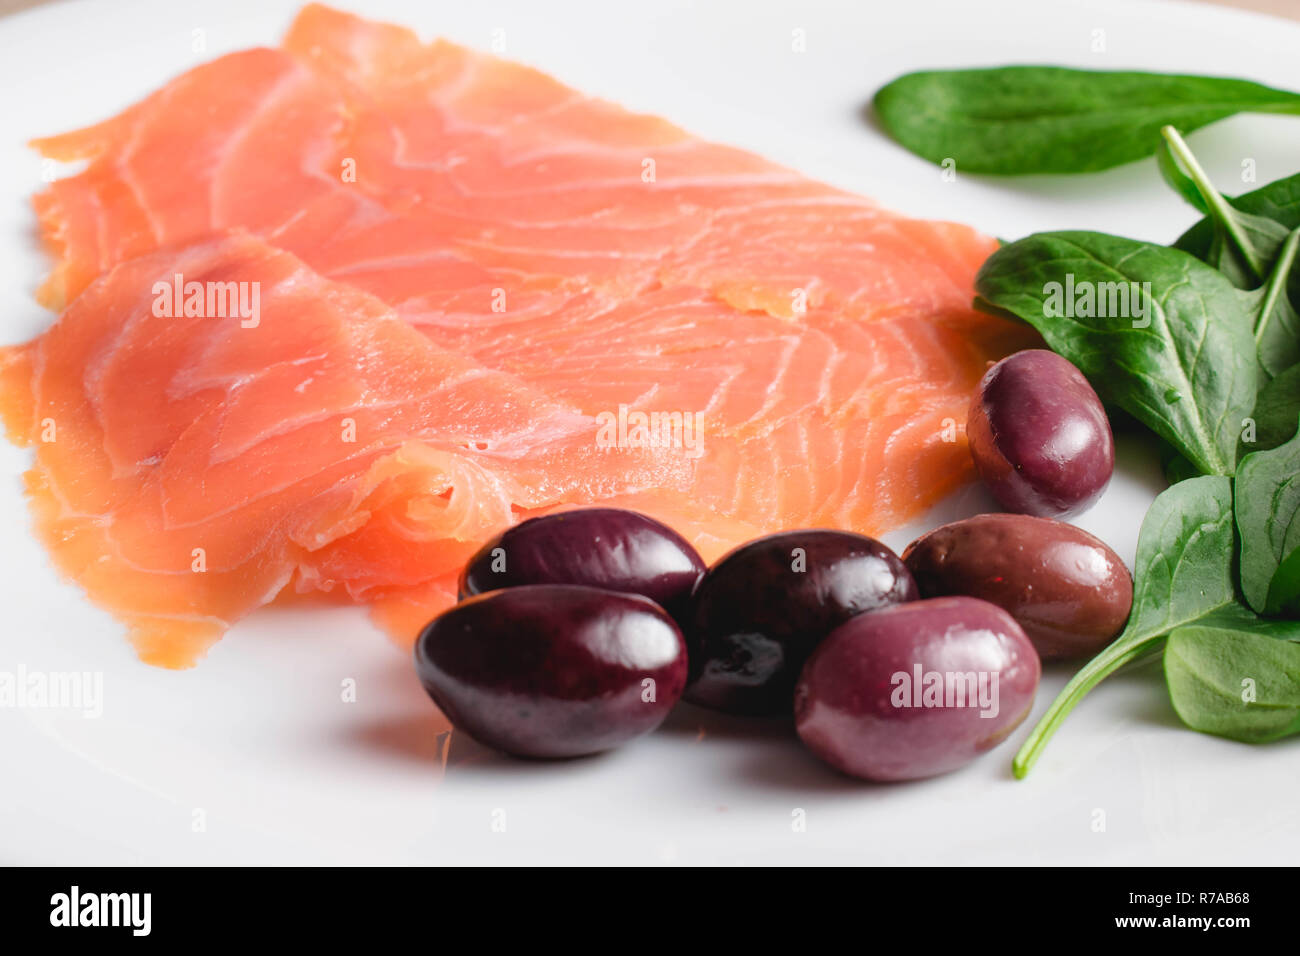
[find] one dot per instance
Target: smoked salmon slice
(189, 467)
(480, 268)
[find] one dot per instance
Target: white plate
(256, 743)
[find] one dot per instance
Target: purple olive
(761, 610)
(553, 670)
(916, 690)
(1067, 589)
(600, 547)
(1039, 435)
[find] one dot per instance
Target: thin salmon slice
(189, 468)
(480, 181)
(586, 261)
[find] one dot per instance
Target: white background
(257, 739)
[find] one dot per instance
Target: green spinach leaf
(1044, 119)
(1284, 589)
(1245, 253)
(1267, 215)
(1184, 574)
(1278, 201)
(1245, 245)
(1248, 249)
(1276, 410)
(1163, 336)
(1277, 326)
(1236, 680)
(1268, 518)
(1237, 617)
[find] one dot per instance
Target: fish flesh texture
(497, 281)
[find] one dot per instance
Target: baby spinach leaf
(1237, 616)
(1247, 249)
(1276, 409)
(1268, 518)
(1245, 245)
(1277, 326)
(1158, 333)
(1278, 201)
(1184, 558)
(1284, 589)
(1044, 119)
(1184, 574)
(1236, 680)
(1245, 253)
(1267, 215)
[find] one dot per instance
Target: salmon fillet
(188, 468)
(526, 262)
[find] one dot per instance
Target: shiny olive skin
(860, 707)
(1068, 590)
(553, 670)
(762, 608)
(1039, 435)
(606, 548)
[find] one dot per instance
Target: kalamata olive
(553, 670)
(1039, 435)
(917, 689)
(600, 547)
(1069, 592)
(761, 610)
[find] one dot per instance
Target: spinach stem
(1092, 674)
(1277, 282)
(1219, 209)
